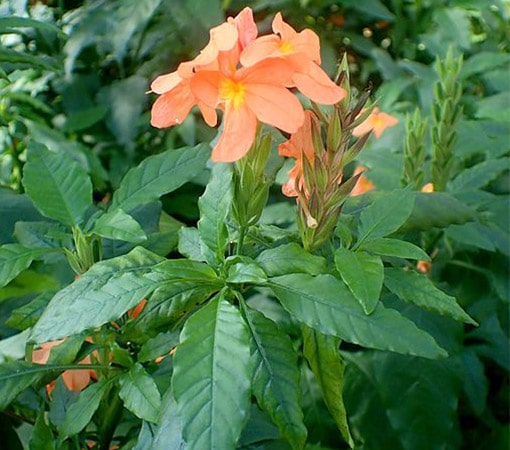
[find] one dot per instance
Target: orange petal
(165, 83)
(209, 114)
(239, 129)
(246, 27)
(317, 86)
(205, 86)
(76, 380)
(172, 107)
(306, 42)
(260, 49)
(275, 106)
(41, 355)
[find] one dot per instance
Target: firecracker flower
(248, 78)
(363, 184)
(376, 122)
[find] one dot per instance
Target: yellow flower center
(286, 47)
(233, 92)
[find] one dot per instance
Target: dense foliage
(151, 299)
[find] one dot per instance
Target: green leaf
(169, 432)
(158, 346)
(290, 258)
(9, 25)
(25, 59)
(479, 175)
(16, 376)
(323, 355)
(27, 315)
(58, 185)
(245, 271)
(158, 175)
(437, 210)
(117, 224)
(140, 394)
(83, 408)
(418, 289)
(325, 303)
(401, 403)
(15, 258)
(475, 382)
(276, 377)
(42, 436)
(396, 248)
(188, 284)
(212, 374)
(190, 244)
(385, 215)
(215, 205)
(363, 274)
(102, 294)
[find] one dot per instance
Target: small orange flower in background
(377, 122)
(363, 184)
(75, 379)
(248, 78)
(429, 187)
(299, 146)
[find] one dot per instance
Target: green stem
(112, 416)
(242, 234)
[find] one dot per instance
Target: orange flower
(302, 51)
(247, 91)
(429, 187)
(248, 95)
(299, 145)
(363, 184)
(377, 122)
(74, 379)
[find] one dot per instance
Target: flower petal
(165, 83)
(172, 107)
(260, 49)
(77, 379)
(317, 86)
(246, 27)
(239, 129)
(275, 106)
(205, 86)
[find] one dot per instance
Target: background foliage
(74, 77)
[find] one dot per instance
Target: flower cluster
(248, 78)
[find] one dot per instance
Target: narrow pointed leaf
(323, 355)
(15, 376)
(117, 224)
(276, 377)
(81, 411)
(212, 374)
(15, 258)
(105, 292)
(326, 304)
(158, 175)
(58, 186)
(415, 288)
(394, 247)
(363, 274)
(42, 436)
(385, 215)
(215, 205)
(290, 258)
(140, 394)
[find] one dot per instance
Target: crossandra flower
(302, 51)
(363, 185)
(248, 89)
(377, 122)
(299, 146)
(74, 379)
